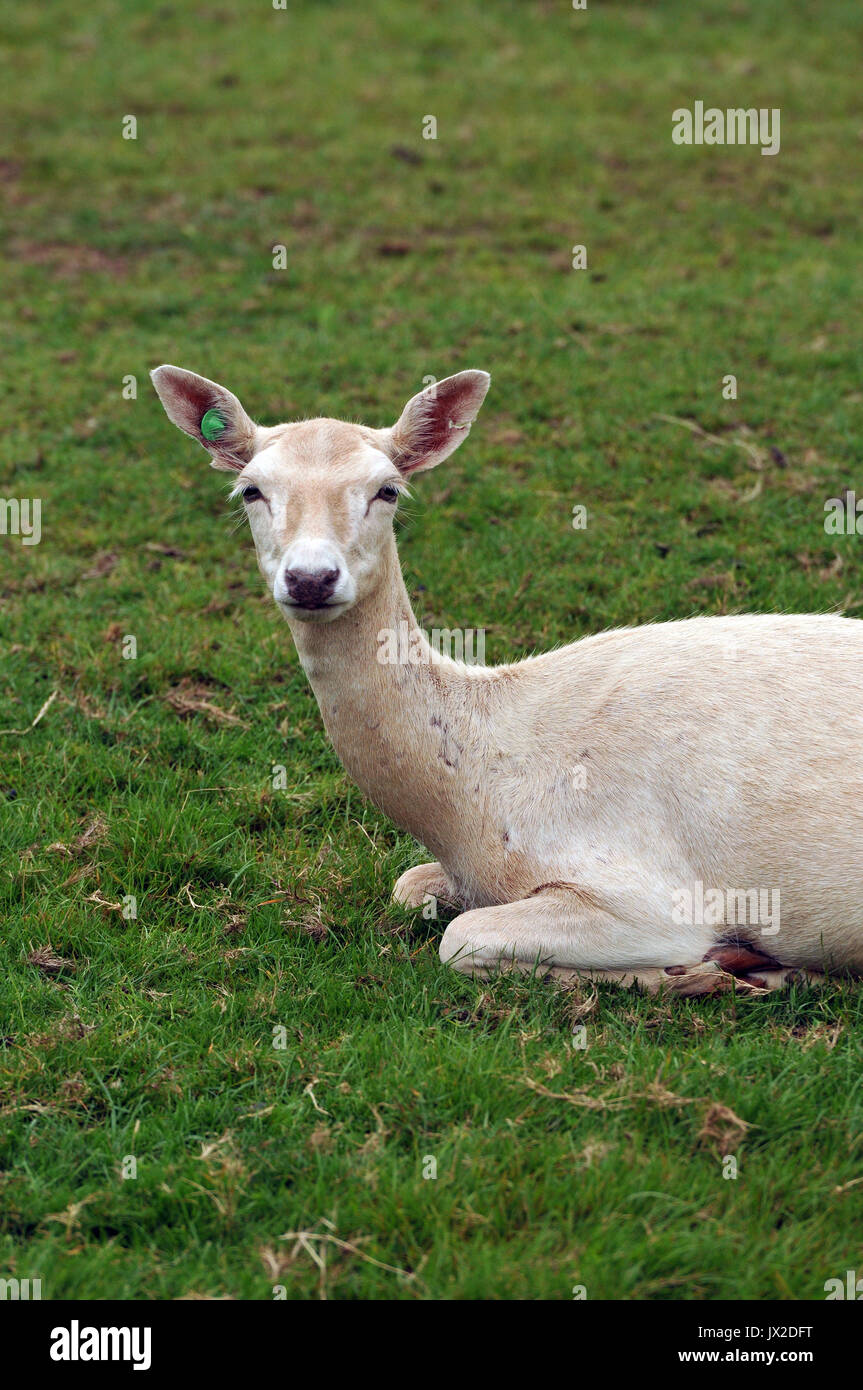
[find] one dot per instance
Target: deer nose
(310, 589)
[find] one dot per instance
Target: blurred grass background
(257, 908)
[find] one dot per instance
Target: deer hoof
(422, 882)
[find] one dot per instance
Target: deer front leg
(562, 935)
(423, 881)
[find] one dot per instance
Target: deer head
(321, 494)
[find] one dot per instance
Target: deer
(617, 809)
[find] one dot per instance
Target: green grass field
(151, 778)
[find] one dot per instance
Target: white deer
(624, 807)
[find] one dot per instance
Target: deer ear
(209, 413)
(434, 423)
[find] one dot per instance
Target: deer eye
(387, 493)
(252, 494)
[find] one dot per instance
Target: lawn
(272, 1041)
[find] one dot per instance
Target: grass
(258, 909)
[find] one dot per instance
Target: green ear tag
(212, 425)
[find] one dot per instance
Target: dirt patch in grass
(69, 260)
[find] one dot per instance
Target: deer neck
(397, 712)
